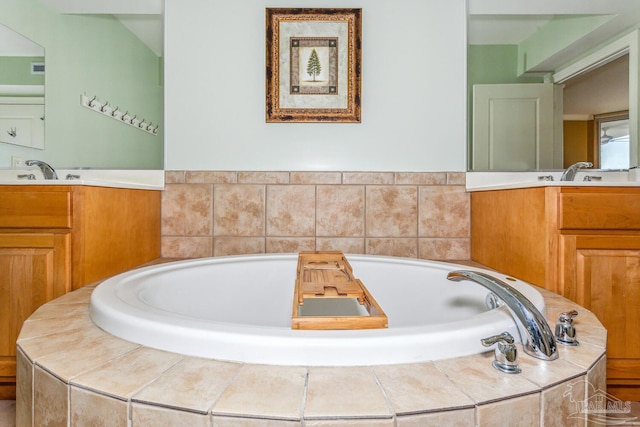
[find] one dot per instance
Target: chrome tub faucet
(47, 170)
(570, 173)
(536, 335)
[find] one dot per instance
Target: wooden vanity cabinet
(54, 239)
(581, 242)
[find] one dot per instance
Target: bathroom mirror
(576, 60)
(21, 90)
(92, 54)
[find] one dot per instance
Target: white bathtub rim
(182, 334)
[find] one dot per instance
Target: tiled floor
(7, 413)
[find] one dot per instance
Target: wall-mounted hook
(114, 112)
(92, 101)
(155, 130)
(13, 132)
(150, 126)
(141, 124)
(104, 107)
(124, 116)
(132, 119)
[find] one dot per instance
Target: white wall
(413, 91)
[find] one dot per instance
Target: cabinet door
(34, 269)
(602, 273)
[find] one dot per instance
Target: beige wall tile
(211, 177)
(186, 247)
(239, 210)
(93, 409)
(147, 416)
(458, 418)
(238, 245)
(50, 399)
(519, 411)
(597, 377)
(186, 210)
(370, 422)
(444, 249)
(456, 178)
(347, 245)
(367, 178)
(220, 421)
(286, 245)
(291, 210)
(263, 177)
(444, 212)
(24, 390)
(340, 211)
(561, 404)
(193, 383)
(174, 177)
(344, 393)
(409, 388)
(421, 178)
(264, 391)
(403, 247)
(392, 211)
(316, 178)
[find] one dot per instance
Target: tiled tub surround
(71, 373)
(417, 215)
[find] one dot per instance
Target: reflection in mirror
(612, 149)
(589, 100)
(21, 90)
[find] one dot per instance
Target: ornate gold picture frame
(313, 65)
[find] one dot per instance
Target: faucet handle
(506, 352)
(565, 332)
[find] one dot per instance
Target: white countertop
(116, 178)
(485, 181)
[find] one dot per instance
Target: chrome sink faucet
(570, 173)
(47, 170)
(536, 335)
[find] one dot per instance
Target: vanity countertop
(486, 181)
(116, 178)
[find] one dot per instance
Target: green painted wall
(97, 56)
(492, 64)
(16, 70)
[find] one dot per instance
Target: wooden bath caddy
(327, 275)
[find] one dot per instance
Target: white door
(517, 127)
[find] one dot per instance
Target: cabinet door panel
(34, 267)
(602, 273)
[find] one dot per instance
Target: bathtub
(238, 308)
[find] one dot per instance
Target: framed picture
(313, 65)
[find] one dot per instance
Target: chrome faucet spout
(47, 170)
(537, 339)
(570, 173)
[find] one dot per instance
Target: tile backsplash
(410, 214)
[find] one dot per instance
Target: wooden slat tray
(328, 276)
